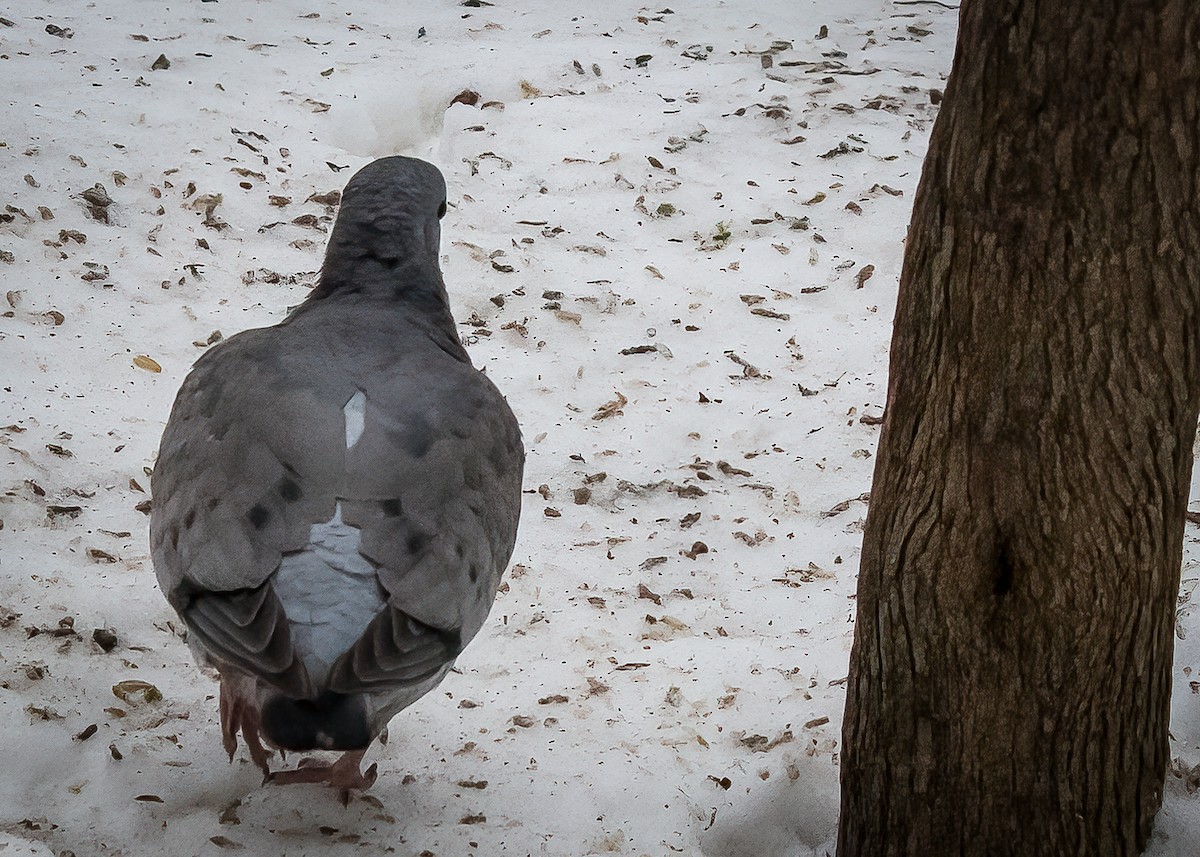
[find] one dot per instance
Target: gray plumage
(336, 497)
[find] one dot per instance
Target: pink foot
(343, 775)
(238, 713)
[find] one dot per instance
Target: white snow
(667, 699)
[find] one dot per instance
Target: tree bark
(1011, 672)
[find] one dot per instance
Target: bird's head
(388, 221)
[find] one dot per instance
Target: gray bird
(336, 497)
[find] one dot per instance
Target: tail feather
(332, 721)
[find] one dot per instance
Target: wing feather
(395, 650)
(246, 629)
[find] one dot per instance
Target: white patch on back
(355, 412)
(330, 593)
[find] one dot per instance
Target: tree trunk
(1011, 673)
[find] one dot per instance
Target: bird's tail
(332, 721)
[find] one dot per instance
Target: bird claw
(343, 775)
(368, 780)
(237, 716)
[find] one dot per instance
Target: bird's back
(336, 498)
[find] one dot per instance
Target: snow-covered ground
(674, 243)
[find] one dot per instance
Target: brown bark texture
(1011, 671)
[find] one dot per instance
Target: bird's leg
(237, 716)
(229, 718)
(344, 774)
(258, 753)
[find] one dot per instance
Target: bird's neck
(380, 274)
(413, 287)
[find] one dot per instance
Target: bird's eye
(441, 211)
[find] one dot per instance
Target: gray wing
(247, 463)
(436, 489)
(237, 484)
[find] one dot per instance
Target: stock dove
(336, 497)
